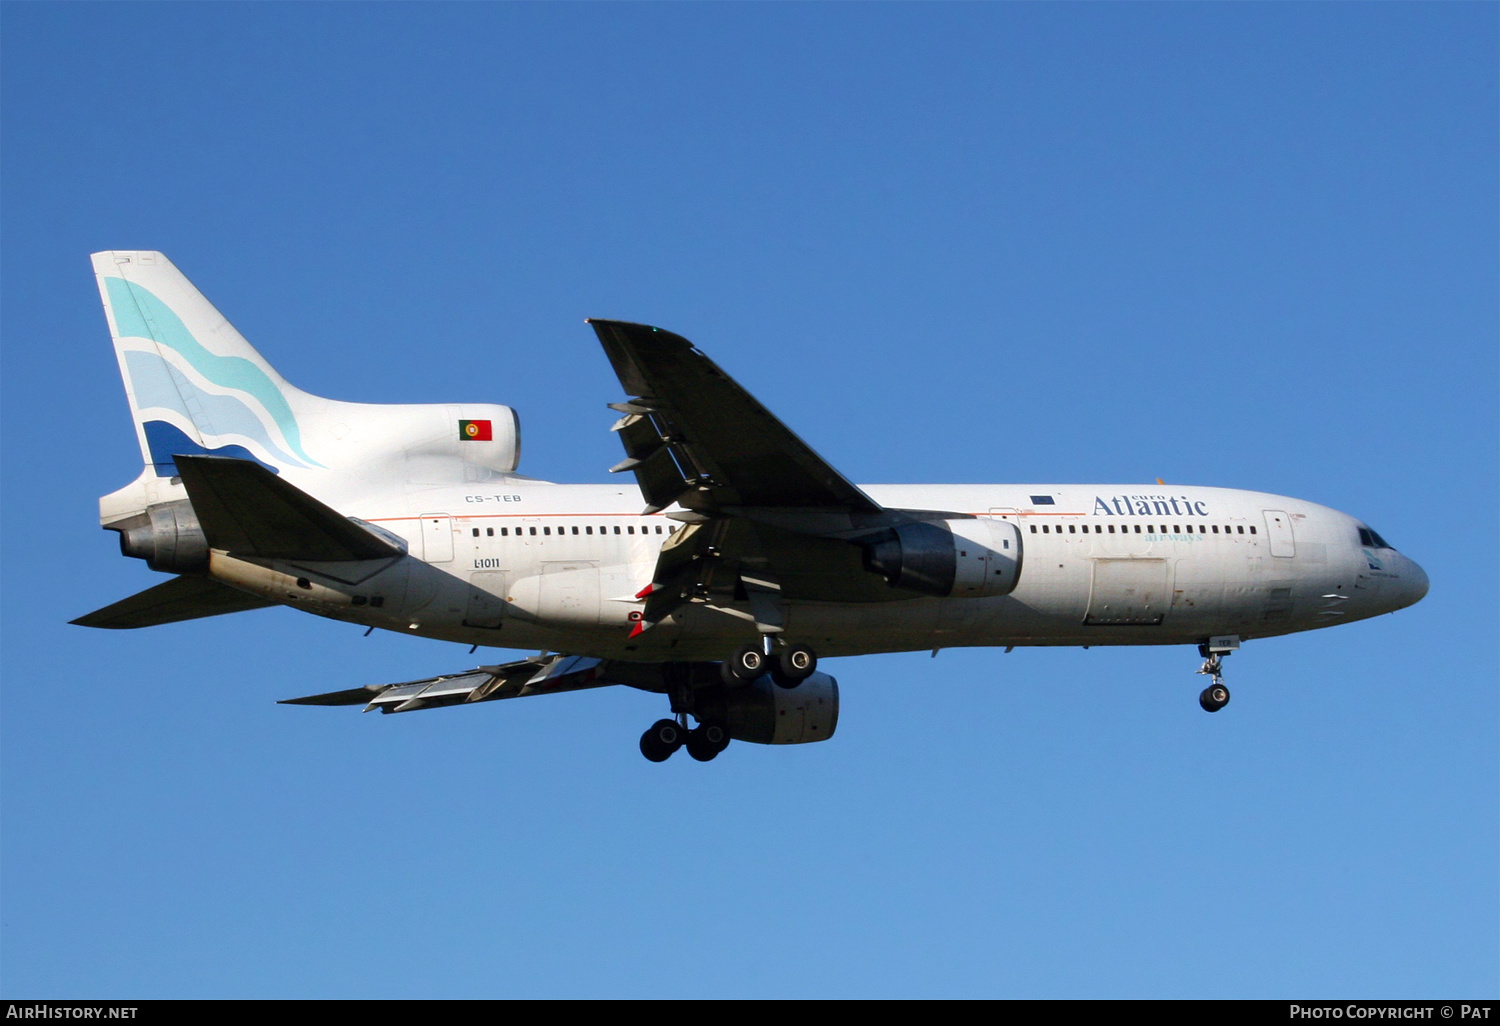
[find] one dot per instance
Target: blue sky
(1240, 245)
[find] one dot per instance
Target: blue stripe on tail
(167, 440)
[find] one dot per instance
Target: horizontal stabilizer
(182, 598)
(247, 510)
(541, 676)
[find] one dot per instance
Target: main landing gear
(789, 667)
(664, 737)
(703, 742)
(1216, 695)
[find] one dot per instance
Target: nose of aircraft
(1412, 584)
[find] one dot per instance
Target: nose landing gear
(1216, 695)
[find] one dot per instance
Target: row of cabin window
(505, 531)
(1150, 529)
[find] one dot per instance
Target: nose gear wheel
(1216, 695)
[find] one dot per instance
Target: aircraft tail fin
(181, 598)
(195, 385)
(198, 388)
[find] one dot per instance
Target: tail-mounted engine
(168, 537)
(968, 558)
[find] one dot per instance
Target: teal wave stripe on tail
(139, 314)
(159, 385)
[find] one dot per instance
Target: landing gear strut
(1216, 695)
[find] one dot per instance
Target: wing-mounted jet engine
(969, 558)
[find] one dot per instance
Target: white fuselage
(527, 564)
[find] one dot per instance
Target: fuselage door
(1128, 593)
(437, 537)
(1279, 531)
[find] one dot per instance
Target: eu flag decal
(475, 431)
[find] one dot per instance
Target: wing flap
(182, 598)
(521, 679)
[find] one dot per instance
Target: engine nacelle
(767, 714)
(170, 539)
(969, 558)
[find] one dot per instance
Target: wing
(693, 435)
(545, 675)
(768, 518)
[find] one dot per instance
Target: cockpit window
(1370, 539)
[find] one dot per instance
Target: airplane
(736, 559)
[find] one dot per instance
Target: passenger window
(658, 529)
(1137, 528)
(575, 530)
(1033, 529)
(630, 530)
(1111, 528)
(1216, 529)
(489, 532)
(476, 532)
(588, 530)
(617, 529)
(1252, 528)
(1240, 529)
(533, 532)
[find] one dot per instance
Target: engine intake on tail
(968, 558)
(170, 539)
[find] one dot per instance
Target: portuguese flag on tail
(475, 431)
